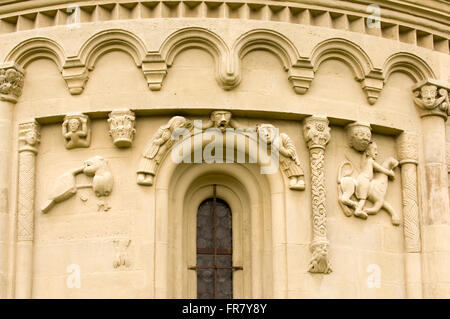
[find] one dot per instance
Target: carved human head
(31, 138)
(359, 135)
(372, 150)
(221, 119)
(12, 75)
(266, 132)
(176, 122)
(74, 124)
(428, 93)
(92, 164)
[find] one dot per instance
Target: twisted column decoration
(317, 135)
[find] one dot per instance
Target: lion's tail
(347, 211)
(340, 171)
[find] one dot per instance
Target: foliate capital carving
(11, 82)
(316, 131)
(29, 136)
(121, 127)
(432, 99)
(408, 148)
(359, 135)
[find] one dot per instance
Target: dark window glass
(214, 250)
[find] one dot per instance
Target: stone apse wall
(91, 204)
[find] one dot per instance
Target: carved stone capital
(408, 148)
(316, 131)
(121, 127)
(432, 99)
(11, 82)
(359, 135)
(29, 137)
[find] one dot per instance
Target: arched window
(214, 250)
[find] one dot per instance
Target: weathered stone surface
(89, 124)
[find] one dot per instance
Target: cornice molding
(406, 21)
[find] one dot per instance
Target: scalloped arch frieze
(407, 63)
(300, 68)
(37, 48)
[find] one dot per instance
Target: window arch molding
(266, 194)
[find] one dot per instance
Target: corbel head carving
(29, 136)
(266, 132)
(359, 135)
(432, 98)
(221, 119)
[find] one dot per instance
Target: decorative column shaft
(317, 136)
(408, 153)
(28, 142)
(11, 83)
(431, 98)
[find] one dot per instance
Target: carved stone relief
(65, 186)
(408, 154)
(221, 120)
(289, 161)
(359, 135)
(121, 125)
(29, 139)
(161, 142)
(432, 99)
(121, 257)
(11, 82)
(76, 131)
(370, 184)
(155, 149)
(317, 135)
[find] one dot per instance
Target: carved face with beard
(221, 119)
(266, 132)
(428, 93)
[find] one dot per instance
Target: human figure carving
(65, 187)
(220, 119)
(121, 258)
(289, 161)
(155, 150)
(76, 131)
(427, 98)
(370, 184)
